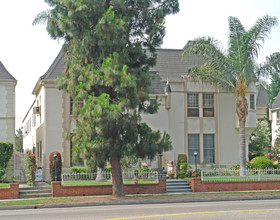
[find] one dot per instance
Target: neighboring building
(262, 102)
(7, 112)
(275, 118)
(199, 117)
(7, 106)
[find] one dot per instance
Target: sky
(27, 51)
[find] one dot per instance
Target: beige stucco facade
(223, 125)
(44, 131)
(7, 112)
(220, 130)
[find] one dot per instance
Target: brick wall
(198, 186)
(60, 191)
(10, 193)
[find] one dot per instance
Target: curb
(137, 202)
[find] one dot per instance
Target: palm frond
(208, 49)
(256, 35)
(209, 74)
(236, 38)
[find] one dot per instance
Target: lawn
(238, 178)
(4, 185)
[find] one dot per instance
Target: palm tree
(232, 70)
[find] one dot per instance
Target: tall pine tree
(107, 74)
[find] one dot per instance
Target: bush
(58, 166)
(182, 166)
(6, 152)
(80, 170)
(30, 168)
(262, 163)
(182, 158)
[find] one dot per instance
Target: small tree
(52, 165)
(30, 168)
(260, 140)
(6, 152)
(19, 140)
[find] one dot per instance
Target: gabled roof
(171, 65)
(262, 98)
(276, 103)
(56, 69)
(4, 74)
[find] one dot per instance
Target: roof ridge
(4, 73)
(53, 65)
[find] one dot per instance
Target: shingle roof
(262, 98)
(157, 86)
(56, 69)
(170, 64)
(276, 103)
(4, 74)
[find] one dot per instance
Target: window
(209, 148)
(71, 105)
(192, 105)
(208, 105)
(193, 146)
(278, 118)
(252, 101)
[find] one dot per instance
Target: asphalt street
(253, 209)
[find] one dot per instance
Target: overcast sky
(27, 51)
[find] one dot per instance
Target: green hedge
(80, 170)
(6, 152)
(30, 168)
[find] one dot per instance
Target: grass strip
(4, 185)
(63, 200)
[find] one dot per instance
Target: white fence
(107, 176)
(234, 175)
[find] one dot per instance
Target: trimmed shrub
(58, 166)
(80, 170)
(6, 152)
(30, 168)
(182, 158)
(182, 166)
(262, 163)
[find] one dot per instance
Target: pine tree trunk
(242, 111)
(117, 181)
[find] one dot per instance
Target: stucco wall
(274, 125)
(53, 123)
(7, 112)
(228, 135)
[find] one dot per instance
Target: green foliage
(80, 170)
(30, 168)
(107, 70)
(52, 166)
(182, 166)
(19, 140)
(260, 140)
(6, 152)
(262, 163)
(107, 73)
